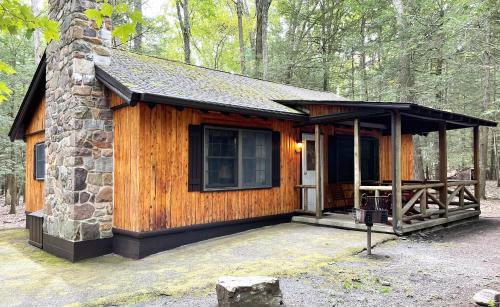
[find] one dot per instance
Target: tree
(182, 7)
(37, 34)
(16, 17)
(138, 27)
(261, 52)
(239, 13)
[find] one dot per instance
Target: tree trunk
(353, 94)
(138, 28)
(291, 40)
(488, 84)
(12, 192)
(37, 34)
(418, 166)
(239, 13)
(261, 12)
(496, 159)
(182, 7)
(364, 79)
(406, 79)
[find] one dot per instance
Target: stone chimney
(79, 128)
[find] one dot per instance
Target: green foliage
(15, 18)
(123, 31)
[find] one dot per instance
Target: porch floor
(346, 221)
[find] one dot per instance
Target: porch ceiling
(416, 119)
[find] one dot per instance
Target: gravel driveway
(440, 268)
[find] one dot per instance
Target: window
(341, 159)
(237, 158)
(222, 158)
(310, 155)
(39, 161)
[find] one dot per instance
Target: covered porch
(414, 205)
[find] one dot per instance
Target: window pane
(40, 161)
(221, 172)
(310, 156)
(221, 160)
(256, 158)
(248, 172)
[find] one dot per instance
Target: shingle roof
(172, 79)
(143, 78)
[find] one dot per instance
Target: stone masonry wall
(79, 128)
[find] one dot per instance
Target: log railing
(459, 197)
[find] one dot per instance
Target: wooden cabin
(199, 153)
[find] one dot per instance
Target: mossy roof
(172, 79)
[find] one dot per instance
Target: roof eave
(409, 107)
(132, 98)
(30, 102)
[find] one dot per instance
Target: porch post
(397, 217)
(357, 169)
(443, 167)
(317, 148)
(477, 168)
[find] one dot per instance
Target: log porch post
(477, 167)
(443, 167)
(397, 204)
(357, 168)
(317, 153)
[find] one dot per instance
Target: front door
(309, 170)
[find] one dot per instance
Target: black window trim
(240, 187)
(35, 161)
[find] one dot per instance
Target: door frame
(304, 137)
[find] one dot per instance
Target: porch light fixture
(298, 146)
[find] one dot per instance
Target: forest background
(437, 53)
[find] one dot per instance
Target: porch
(414, 205)
(422, 210)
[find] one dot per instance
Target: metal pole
(369, 240)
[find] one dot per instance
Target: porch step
(344, 221)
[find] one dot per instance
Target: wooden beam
(436, 201)
(477, 167)
(443, 167)
(397, 204)
(453, 194)
(470, 196)
(357, 165)
(423, 202)
(461, 197)
(317, 154)
(412, 201)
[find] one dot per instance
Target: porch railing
(427, 197)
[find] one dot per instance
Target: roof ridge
(222, 71)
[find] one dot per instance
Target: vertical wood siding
(151, 165)
(35, 133)
(151, 170)
(406, 157)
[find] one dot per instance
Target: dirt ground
(317, 266)
(8, 221)
(444, 267)
(30, 276)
